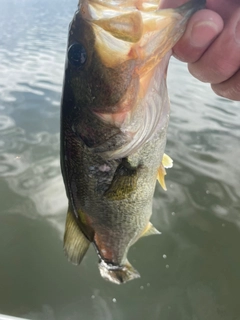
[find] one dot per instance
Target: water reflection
(190, 271)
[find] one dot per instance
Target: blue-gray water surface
(190, 272)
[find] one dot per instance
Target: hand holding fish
(211, 46)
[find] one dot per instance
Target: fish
(114, 118)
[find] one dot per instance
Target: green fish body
(114, 119)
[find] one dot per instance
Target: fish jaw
(125, 30)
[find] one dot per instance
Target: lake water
(190, 272)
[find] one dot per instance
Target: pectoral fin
(124, 182)
(75, 242)
(166, 163)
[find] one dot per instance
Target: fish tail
(118, 274)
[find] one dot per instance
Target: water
(189, 272)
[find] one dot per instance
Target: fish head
(117, 57)
(98, 81)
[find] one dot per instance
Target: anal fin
(75, 242)
(150, 230)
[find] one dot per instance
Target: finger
(202, 29)
(222, 59)
(229, 89)
(224, 8)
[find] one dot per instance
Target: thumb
(203, 28)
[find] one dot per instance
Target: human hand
(211, 45)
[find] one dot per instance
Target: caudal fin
(118, 274)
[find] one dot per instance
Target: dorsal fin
(75, 242)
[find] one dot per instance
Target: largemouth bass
(115, 112)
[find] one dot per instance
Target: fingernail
(237, 32)
(203, 33)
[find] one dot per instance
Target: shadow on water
(191, 271)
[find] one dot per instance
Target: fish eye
(77, 55)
